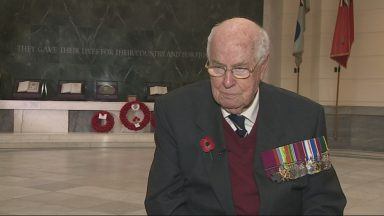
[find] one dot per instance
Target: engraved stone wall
(130, 41)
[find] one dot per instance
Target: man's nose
(229, 79)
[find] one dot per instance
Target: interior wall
(272, 23)
(361, 84)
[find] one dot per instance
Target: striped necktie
(238, 121)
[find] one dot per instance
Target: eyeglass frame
(226, 69)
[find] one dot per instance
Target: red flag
(344, 33)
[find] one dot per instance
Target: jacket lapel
(268, 132)
(268, 135)
(210, 123)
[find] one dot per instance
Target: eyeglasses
(238, 72)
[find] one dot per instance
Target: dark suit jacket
(185, 180)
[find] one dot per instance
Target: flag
(298, 46)
(344, 33)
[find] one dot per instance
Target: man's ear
(264, 67)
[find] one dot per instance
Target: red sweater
(241, 154)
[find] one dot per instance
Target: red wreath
(136, 123)
(96, 123)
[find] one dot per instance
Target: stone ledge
(64, 105)
(73, 140)
(355, 110)
(357, 154)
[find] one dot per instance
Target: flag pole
(337, 103)
(297, 70)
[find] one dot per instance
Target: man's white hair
(262, 43)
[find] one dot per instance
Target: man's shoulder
(191, 93)
(285, 97)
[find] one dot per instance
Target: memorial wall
(130, 44)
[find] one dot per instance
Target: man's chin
(231, 108)
(237, 110)
(230, 103)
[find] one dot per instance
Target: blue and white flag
(298, 47)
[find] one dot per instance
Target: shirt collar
(251, 112)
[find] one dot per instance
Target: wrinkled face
(233, 94)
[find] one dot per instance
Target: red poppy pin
(207, 145)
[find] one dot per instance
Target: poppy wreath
(136, 123)
(96, 123)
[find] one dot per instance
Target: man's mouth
(229, 95)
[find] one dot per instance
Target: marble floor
(112, 181)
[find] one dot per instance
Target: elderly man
(236, 145)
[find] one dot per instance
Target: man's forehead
(234, 35)
(232, 41)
